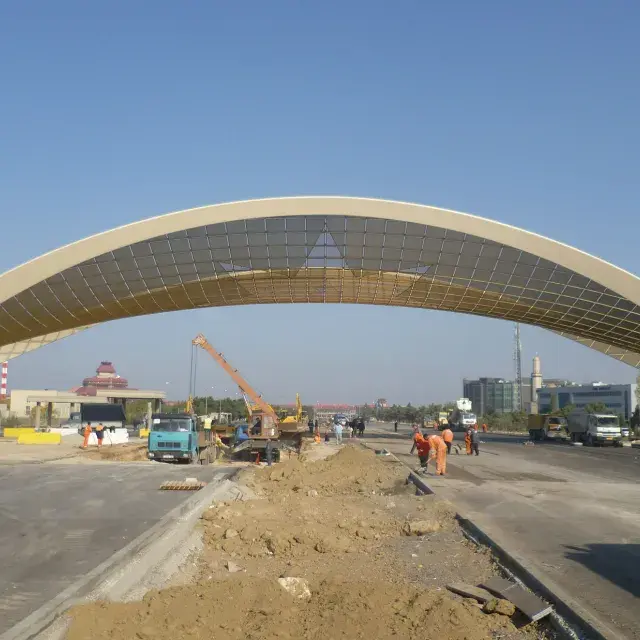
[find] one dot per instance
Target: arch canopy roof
(321, 249)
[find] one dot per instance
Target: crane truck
(263, 420)
(461, 418)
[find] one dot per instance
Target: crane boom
(245, 387)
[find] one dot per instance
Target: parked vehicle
(594, 428)
(544, 426)
(179, 437)
(461, 418)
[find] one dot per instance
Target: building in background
(105, 386)
(495, 395)
(105, 378)
(618, 398)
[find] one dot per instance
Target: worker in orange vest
(438, 450)
(447, 436)
(484, 427)
(467, 441)
(86, 433)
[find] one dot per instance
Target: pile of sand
(118, 453)
(352, 470)
(342, 525)
(259, 609)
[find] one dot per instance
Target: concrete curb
(124, 563)
(567, 608)
(569, 612)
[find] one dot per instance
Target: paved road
(572, 513)
(58, 522)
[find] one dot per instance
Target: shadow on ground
(618, 563)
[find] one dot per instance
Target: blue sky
(524, 112)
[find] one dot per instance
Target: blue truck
(180, 437)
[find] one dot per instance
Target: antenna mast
(517, 357)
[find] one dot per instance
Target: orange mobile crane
(263, 420)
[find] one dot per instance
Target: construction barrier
(143, 433)
(118, 436)
(40, 438)
(16, 432)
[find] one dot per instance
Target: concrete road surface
(58, 522)
(571, 513)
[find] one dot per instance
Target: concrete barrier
(40, 438)
(16, 432)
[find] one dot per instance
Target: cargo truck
(544, 426)
(461, 418)
(180, 437)
(594, 428)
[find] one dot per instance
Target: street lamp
(220, 408)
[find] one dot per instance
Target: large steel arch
(321, 249)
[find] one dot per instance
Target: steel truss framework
(321, 249)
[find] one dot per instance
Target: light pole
(220, 408)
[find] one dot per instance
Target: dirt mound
(375, 558)
(118, 453)
(259, 609)
(352, 470)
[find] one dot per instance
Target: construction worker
(447, 436)
(100, 434)
(395, 426)
(484, 427)
(474, 436)
(467, 441)
(423, 446)
(337, 429)
(438, 450)
(220, 446)
(87, 434)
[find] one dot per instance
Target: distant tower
(3, 381)
(536, 383)
(517, 357)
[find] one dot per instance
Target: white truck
(461, 418)
(594, 428)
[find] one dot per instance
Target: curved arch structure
(321, 249)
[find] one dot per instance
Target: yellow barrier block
(16, 432)
(40, 438)
(143, 433)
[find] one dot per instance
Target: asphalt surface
(571, 513)
(58, 522)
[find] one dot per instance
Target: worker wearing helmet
(447, 436)
(438, 450)
(467, 441)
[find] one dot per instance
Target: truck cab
(173, 437)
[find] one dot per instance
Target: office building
(618, 398)
(495, 395)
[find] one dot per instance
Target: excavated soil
(117, 453)
(346, 525)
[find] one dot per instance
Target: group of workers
(99, 431)
(439, 446)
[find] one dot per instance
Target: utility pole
(517, 356)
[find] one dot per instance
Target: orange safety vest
(447, 435)
(436, 442)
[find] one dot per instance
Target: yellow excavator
(295, 420)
